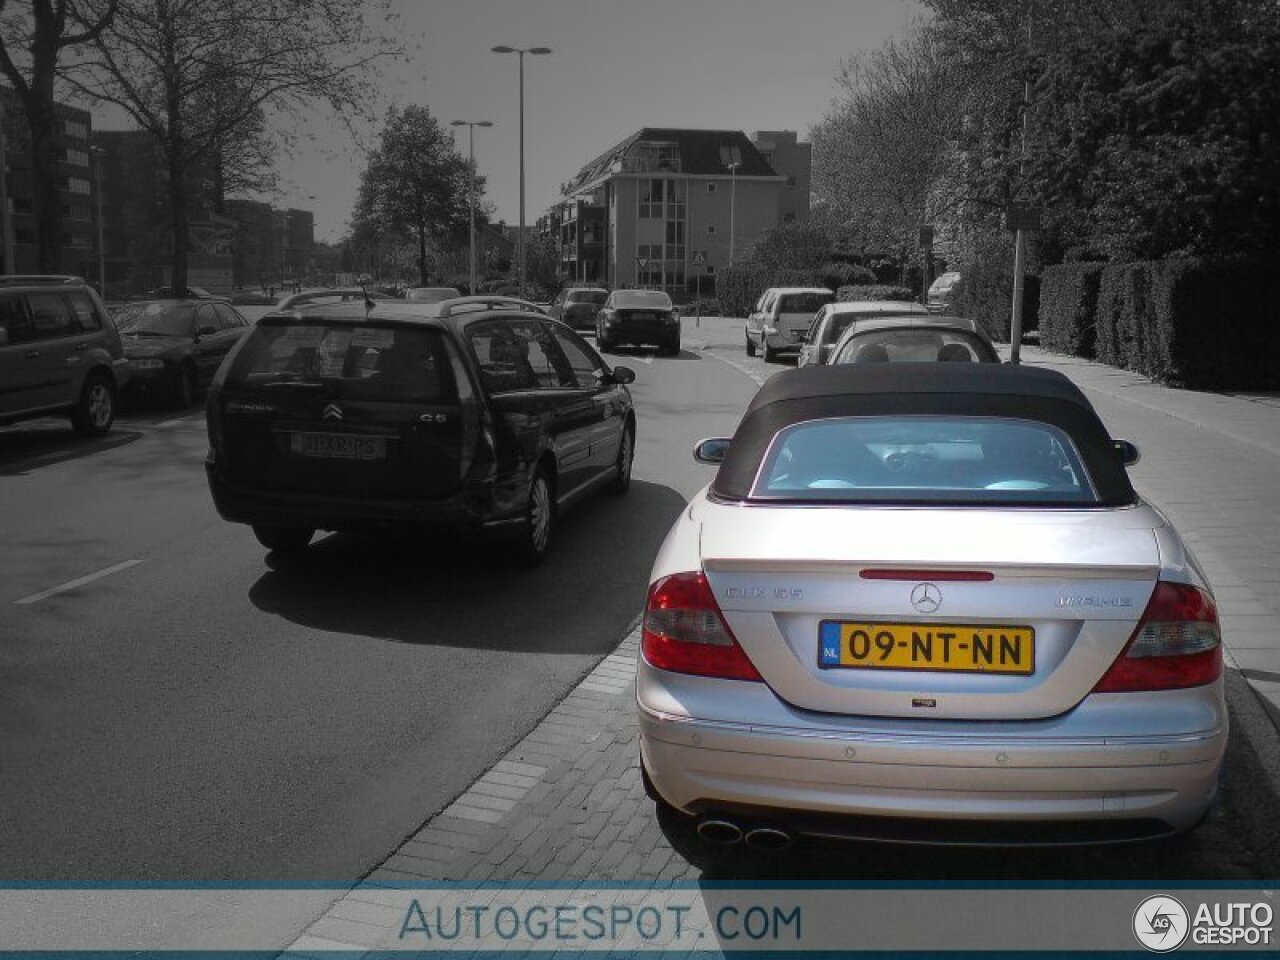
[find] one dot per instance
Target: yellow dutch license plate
(950, 648)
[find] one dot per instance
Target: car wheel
(626, 456)
(770, 355)
(540, 516)
(184, 388)
(96, 408)
(670, 349)
(751, 346)
(284, 539)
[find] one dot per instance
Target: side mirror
(623, 375)
(711, 450)
(1128, 451)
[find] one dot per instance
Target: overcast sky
(616, 66)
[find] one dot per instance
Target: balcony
(647, 165)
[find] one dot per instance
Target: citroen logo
(332, 412)
(926, 597)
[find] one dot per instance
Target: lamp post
(520, 246)
(96, 154)
(733, 204)
(471, 192)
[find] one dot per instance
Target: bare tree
(883, 146)
(33, 35)
(200, 75)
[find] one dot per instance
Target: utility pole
(5, 211)
(1020, 241)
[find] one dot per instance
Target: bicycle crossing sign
(699, 258)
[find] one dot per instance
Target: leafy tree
(202, 76)
(32, 38)
(416, 183)
(794, 245)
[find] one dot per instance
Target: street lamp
(520, 251)
(471, 191)
(733, 204)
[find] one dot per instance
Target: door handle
(82, 346)
(31, 354)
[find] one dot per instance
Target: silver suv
(60, 353)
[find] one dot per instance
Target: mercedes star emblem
(926, 597)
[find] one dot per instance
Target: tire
(626, 457)
(670, 349)
(751, 346)
(95, 411)
(770, 355)
(281, 538)
(534, 539)
(184, 388)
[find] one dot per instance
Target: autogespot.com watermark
(565, 924)
(1162, 923)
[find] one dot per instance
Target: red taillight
(1177, 644)
(684, 631)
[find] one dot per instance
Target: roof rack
(40, 278)
(449, 307)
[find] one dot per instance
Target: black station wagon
(479, 414)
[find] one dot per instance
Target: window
(587, 369)
(675, 240)
(77, 157)
(78, 185)
(788, 218)
(87, 318)
(791, 181)
(979, 460)
(75, 129)
(15, 324)
(50, 316)
(651, 198)
(516, 355)
(730, 154)
(711, 188)
(229, 318)
(711, 230)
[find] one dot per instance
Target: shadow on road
(441, 592)
(30, 448)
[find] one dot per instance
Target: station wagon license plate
(337, 446)
(947, 648)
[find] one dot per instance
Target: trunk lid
(1065, 590)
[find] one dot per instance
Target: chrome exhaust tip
(723, 833)
(768, 839)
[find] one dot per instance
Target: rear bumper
(644, 332)
(473, 509)
(784, 340)
(802, 768)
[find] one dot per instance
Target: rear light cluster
(1177, 644)
(684, 631)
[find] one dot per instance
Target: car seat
(954, 353)
(872, 353)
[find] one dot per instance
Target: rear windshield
(804, 302)
(356, 361)
(587, 296)
(924, 459)
(159, 319)
(915, 345)
(652, 299)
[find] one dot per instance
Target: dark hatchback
(174, 347)
(477, 415)
(578, 306)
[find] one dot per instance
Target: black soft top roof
(921, 389)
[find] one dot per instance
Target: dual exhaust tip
(723, 832)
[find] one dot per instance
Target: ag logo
(1161, 923)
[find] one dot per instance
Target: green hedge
(1068, 303)
(874, 292)
(985, 292)
(1209, 324)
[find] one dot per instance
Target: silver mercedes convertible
(923, 603)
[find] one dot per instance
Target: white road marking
(78, 582)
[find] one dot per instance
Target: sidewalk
(566, 803)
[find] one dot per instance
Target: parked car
(174, 347)
(432, 294)
(167, 293)
(833, 319)
(939, 297)
(639, 317)
(60, 353)
(478, 414)
(922, 338)
(924, 602)
(781, 319)
(578, 306)
(294, 301)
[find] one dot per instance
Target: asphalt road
(198, 713)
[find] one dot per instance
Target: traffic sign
(642, 262)
(926, 236)
(1022, 216)
(699, 258)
